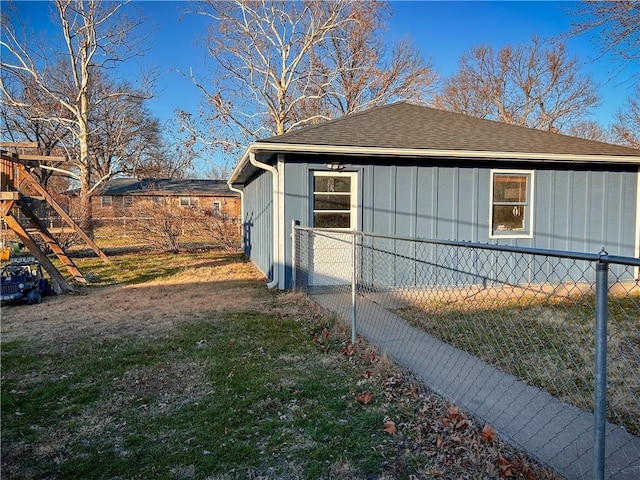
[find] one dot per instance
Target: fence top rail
(602, 256)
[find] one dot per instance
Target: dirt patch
(151, 309)
(145, 310)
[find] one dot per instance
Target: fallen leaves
(460, 447)
(454, 412)
(506, 469)
(489, 433)
(455, 419)
(348, 350)
(414, 391)
(365, 398)
(390, 427)
(322, 339)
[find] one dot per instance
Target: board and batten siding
(426, 202)
(258, 222)
(297, 206)
(585, 211)
(574, 209)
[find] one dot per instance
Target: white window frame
(216, 207)
(191, 202)
(528, 233)
(104, 203)
(353, 204)
(127, 201)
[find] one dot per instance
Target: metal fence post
(353, 287)
(600, 393)
(294, 245)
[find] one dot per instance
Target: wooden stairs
(16, 177)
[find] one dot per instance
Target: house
(118, 196)
(414, 171)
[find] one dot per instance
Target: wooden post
(58, 282)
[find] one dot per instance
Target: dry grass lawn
(146, 310)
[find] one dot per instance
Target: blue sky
(443, 30)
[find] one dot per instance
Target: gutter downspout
(276, 224)
(241, 192)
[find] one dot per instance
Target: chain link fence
(154, 232)
(543, 345)
(145, 226)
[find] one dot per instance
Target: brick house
(117, 197)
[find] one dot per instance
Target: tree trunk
(85, 214)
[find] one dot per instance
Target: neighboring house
(414, 171)
(118, 196)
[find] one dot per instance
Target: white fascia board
(427, 152)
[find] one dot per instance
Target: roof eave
(273, 147)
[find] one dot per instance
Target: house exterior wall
(229, 205)
(258, 222)
(574, 207)
(297, 206)
(578, 210)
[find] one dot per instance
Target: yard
(185, 366)
(542, 337)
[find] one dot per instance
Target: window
(216, 207)
(127, 202)
(334, 203)
(106, 201)
(158, 200)
(511, 203)
(190, 202)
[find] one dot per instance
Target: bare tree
(22, 122)
(626, 128)
(221, 230)
(95, 36)
(528, 86)
(124, 133)
(615, 26)
(168, 159)
(283, 65)
(360, 69)
(615, 29)
(164, 224)
(589, 129)
(217, 172)
(263, 66)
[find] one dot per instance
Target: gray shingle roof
(165, 186)
(402, 125)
